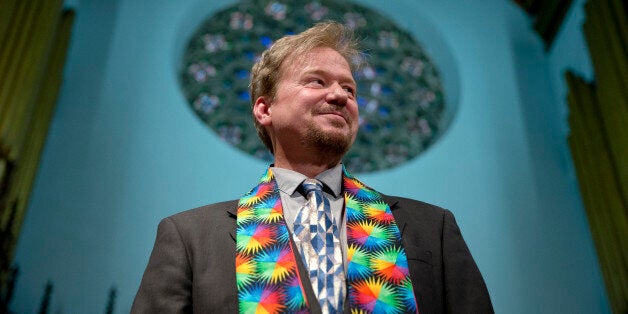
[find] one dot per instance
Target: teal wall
(124, 150)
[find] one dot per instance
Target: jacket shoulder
(408, 208)
(210, 211)
(209, 220)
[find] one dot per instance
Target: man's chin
(339, 122)
(334, 142)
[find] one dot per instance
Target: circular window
(400, 93)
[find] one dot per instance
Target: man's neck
(308, 168)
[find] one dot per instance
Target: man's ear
(261, 110)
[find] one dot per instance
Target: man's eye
(349, 90)
(317, 82)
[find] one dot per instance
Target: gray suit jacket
(192, 266)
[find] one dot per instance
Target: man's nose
(337, 95)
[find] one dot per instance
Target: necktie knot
(311, 185)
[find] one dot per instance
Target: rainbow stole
(266, 270)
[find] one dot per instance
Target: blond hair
(267, 71)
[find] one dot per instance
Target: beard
(328, 143)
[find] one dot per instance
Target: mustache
(342, 111)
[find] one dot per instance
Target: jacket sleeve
(464, 288)
(167, 282)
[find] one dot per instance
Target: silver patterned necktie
(318, 241)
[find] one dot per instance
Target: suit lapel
(392, 203)
(232, 214)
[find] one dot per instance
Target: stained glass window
(400, 93)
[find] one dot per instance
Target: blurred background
(118, 113)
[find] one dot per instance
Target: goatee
(328, 143)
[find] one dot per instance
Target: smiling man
(310, 237)
(312, 118)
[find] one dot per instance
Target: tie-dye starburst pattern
(258, 193)
(353, 208)
(368, 234)
(361, 192)
(407, 295)
(294, 294)
(359, 265)
(282, 233)
(261, 299)
(394, 232)
(376, 296)
(391, 264)
(378, 212)
(274, 264)
(245, 270)
(245, 214)
(253, 236)
(375, 243)
(266, 271)
(269, 210)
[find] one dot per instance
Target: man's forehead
(309, 61)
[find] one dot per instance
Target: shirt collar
(288, 180)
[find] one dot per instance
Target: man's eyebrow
(343, 79)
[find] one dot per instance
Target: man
(311, 237)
